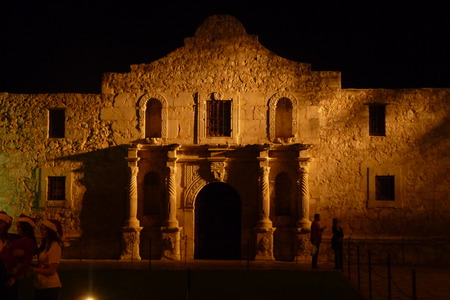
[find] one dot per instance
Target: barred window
(219, 118)
(377, 119)
(385, 188)
(57, 120)
(56, 188)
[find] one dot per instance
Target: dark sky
(65, 46)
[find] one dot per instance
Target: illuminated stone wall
(223, 61)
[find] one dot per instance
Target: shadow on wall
(103, 208)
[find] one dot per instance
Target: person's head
(5, 222)
(51, 230)
(26, 225)
(317, 217)
(335, 221)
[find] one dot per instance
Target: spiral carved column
(170, 232)
(303, 223)
(264, 229)
(131, 229)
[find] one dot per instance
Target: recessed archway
(217, 223)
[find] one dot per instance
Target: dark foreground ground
(234, 280)
(243, 282)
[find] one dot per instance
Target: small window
(377, 119)
(384, 188)
(219, 118)
(153, 119)
(56, 188)
(56, 123)
(283, 119)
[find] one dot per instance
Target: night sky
(65, 46)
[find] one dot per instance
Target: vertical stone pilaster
(264, 229)
(131, 229)
(171, 243)
(171, 246)
(303, 222)
(130, 241)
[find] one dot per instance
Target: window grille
(56, 188)
(385, 188)
(56, 123)
(219, 118)
(377, 119)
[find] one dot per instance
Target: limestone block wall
(415, 149)
(88, 156)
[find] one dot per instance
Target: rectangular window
(377, 119)
(56, 188)
(57, 119)
(385, 188)
(219, 118)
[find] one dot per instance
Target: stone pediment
(221, 56)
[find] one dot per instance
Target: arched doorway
(217, 223)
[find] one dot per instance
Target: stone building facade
(224, 150)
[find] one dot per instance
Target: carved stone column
(264, 229)
(303, 223)
(303, 200)
(170, 231)
(131, 229)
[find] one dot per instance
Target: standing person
(47, 284)
(337, 244)
(17, 256)
(316, 238)
(5, 224)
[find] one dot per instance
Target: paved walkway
(430, 282)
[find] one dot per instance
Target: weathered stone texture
(330, 142)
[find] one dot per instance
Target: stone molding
(142, 106)
(273, 101)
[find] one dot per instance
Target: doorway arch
(217, 223)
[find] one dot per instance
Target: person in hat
(18, 255)
(5, 238)
(5, 224)
(47, 284)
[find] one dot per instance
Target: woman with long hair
(47, 284)
(18, 255)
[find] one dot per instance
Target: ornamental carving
(218, 170)
(192, 191)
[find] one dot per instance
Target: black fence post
(185, 247)
(150, 254)
(370, 273)
(188, 287)
(389, 278)
(348, 260)
(358, 261)
(248, 254)
(413, 275)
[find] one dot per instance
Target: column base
(171, 243)
(304, 225)
(264, 243)
(303, 246)
(130, 243)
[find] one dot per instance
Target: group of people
(20, 256)
(336, 241)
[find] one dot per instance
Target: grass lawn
(200, 284)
